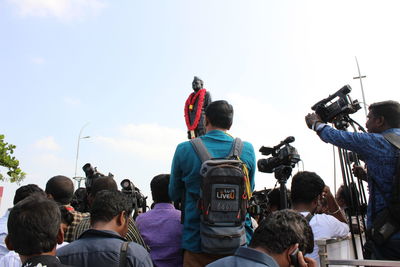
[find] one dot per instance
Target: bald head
(61, 189)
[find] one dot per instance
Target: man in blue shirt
(185, 177)
(277, 237)
(380, 157)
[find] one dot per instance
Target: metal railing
(326, 261)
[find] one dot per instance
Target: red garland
(190, 103)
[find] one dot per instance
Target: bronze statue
(195, 107)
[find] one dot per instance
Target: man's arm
(176, 185)
(332, 207)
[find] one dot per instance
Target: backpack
(224, 194)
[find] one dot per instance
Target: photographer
(381, 158)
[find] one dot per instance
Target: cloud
(60, 9)
(150, 141)
(72, 101)
(37, 60)
(47, 143)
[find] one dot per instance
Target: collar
(45, 259)
(255, 255)
(100, 233)
(164, 206)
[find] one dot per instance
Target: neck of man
(108, 226)
(302, 207)
(210, 127)
(279, 258)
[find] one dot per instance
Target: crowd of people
(44, 229)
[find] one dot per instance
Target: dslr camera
(284, 158)
(91, 173)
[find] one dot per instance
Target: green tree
(15, 174)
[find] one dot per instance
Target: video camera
(282, 158)
(259, 204)
(91, 173)
(138, 200)
(330, 111)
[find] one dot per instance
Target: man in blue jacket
(381, 159)
(185, 177)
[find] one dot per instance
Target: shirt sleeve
(362, 143)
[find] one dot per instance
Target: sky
(120, 71)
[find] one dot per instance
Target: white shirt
(324, 227)
(11, 259)
(3, 234)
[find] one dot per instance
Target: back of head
(220, 114)
(103, 183)
(61, 188)
(27, 190)
(282, 229)
(108, 204)
(306, 186)
(390, 110)
(159, 188)
(33, 225)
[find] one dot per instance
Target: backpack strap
(237, 147)
(393, 138)
(123, 254)
(309, 217)
(200, 149)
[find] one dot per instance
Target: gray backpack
(223, 200)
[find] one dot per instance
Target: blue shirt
(185, 177)
(161, 229)
(380, 157)
(246, 257)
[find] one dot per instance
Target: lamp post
(79, 179)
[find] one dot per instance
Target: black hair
(103, 183)
(306, 186)
(61, 188)
(389, 109)
(108, 204)
(27, 190)
(274, 198)
(280, 230)
(220, 114)
(79, 200)
(159, 188)
(33, 225)
(66, 216)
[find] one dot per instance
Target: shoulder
(138, 252)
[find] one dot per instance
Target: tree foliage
(14, 173)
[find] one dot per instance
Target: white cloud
(37, 60)
(61, 9)
(47, 143)
(72, 101)
(150, 141)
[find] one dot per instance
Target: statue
(195, 107)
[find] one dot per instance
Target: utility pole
(360, 77)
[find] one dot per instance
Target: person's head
(274, 199)
(279, 234)
(111, 209)
(197, 84)
(27, 190)
(99, 184)
(382, 116)
(34, 226)
(66, 218)
(306, 189)
(159, 188)
(219, 114)
(61, 189)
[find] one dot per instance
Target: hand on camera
(311, 119)
(359, 172)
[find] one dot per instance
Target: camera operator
(381, 158)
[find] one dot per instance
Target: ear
(292, 250)
(60, 235)
(121, 218)
(380, 121)
(8, 243)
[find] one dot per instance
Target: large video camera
(91, 173)
(259, 204)
(283, 158)
(335, 111)
(137, 199)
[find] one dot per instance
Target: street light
(79, 179)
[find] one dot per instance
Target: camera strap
(123, 254)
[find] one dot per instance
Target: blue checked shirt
(380, 157)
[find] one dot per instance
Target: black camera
(336, 106)
(286, 156)
(259, 204)
(91, 173)
(138, 200)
